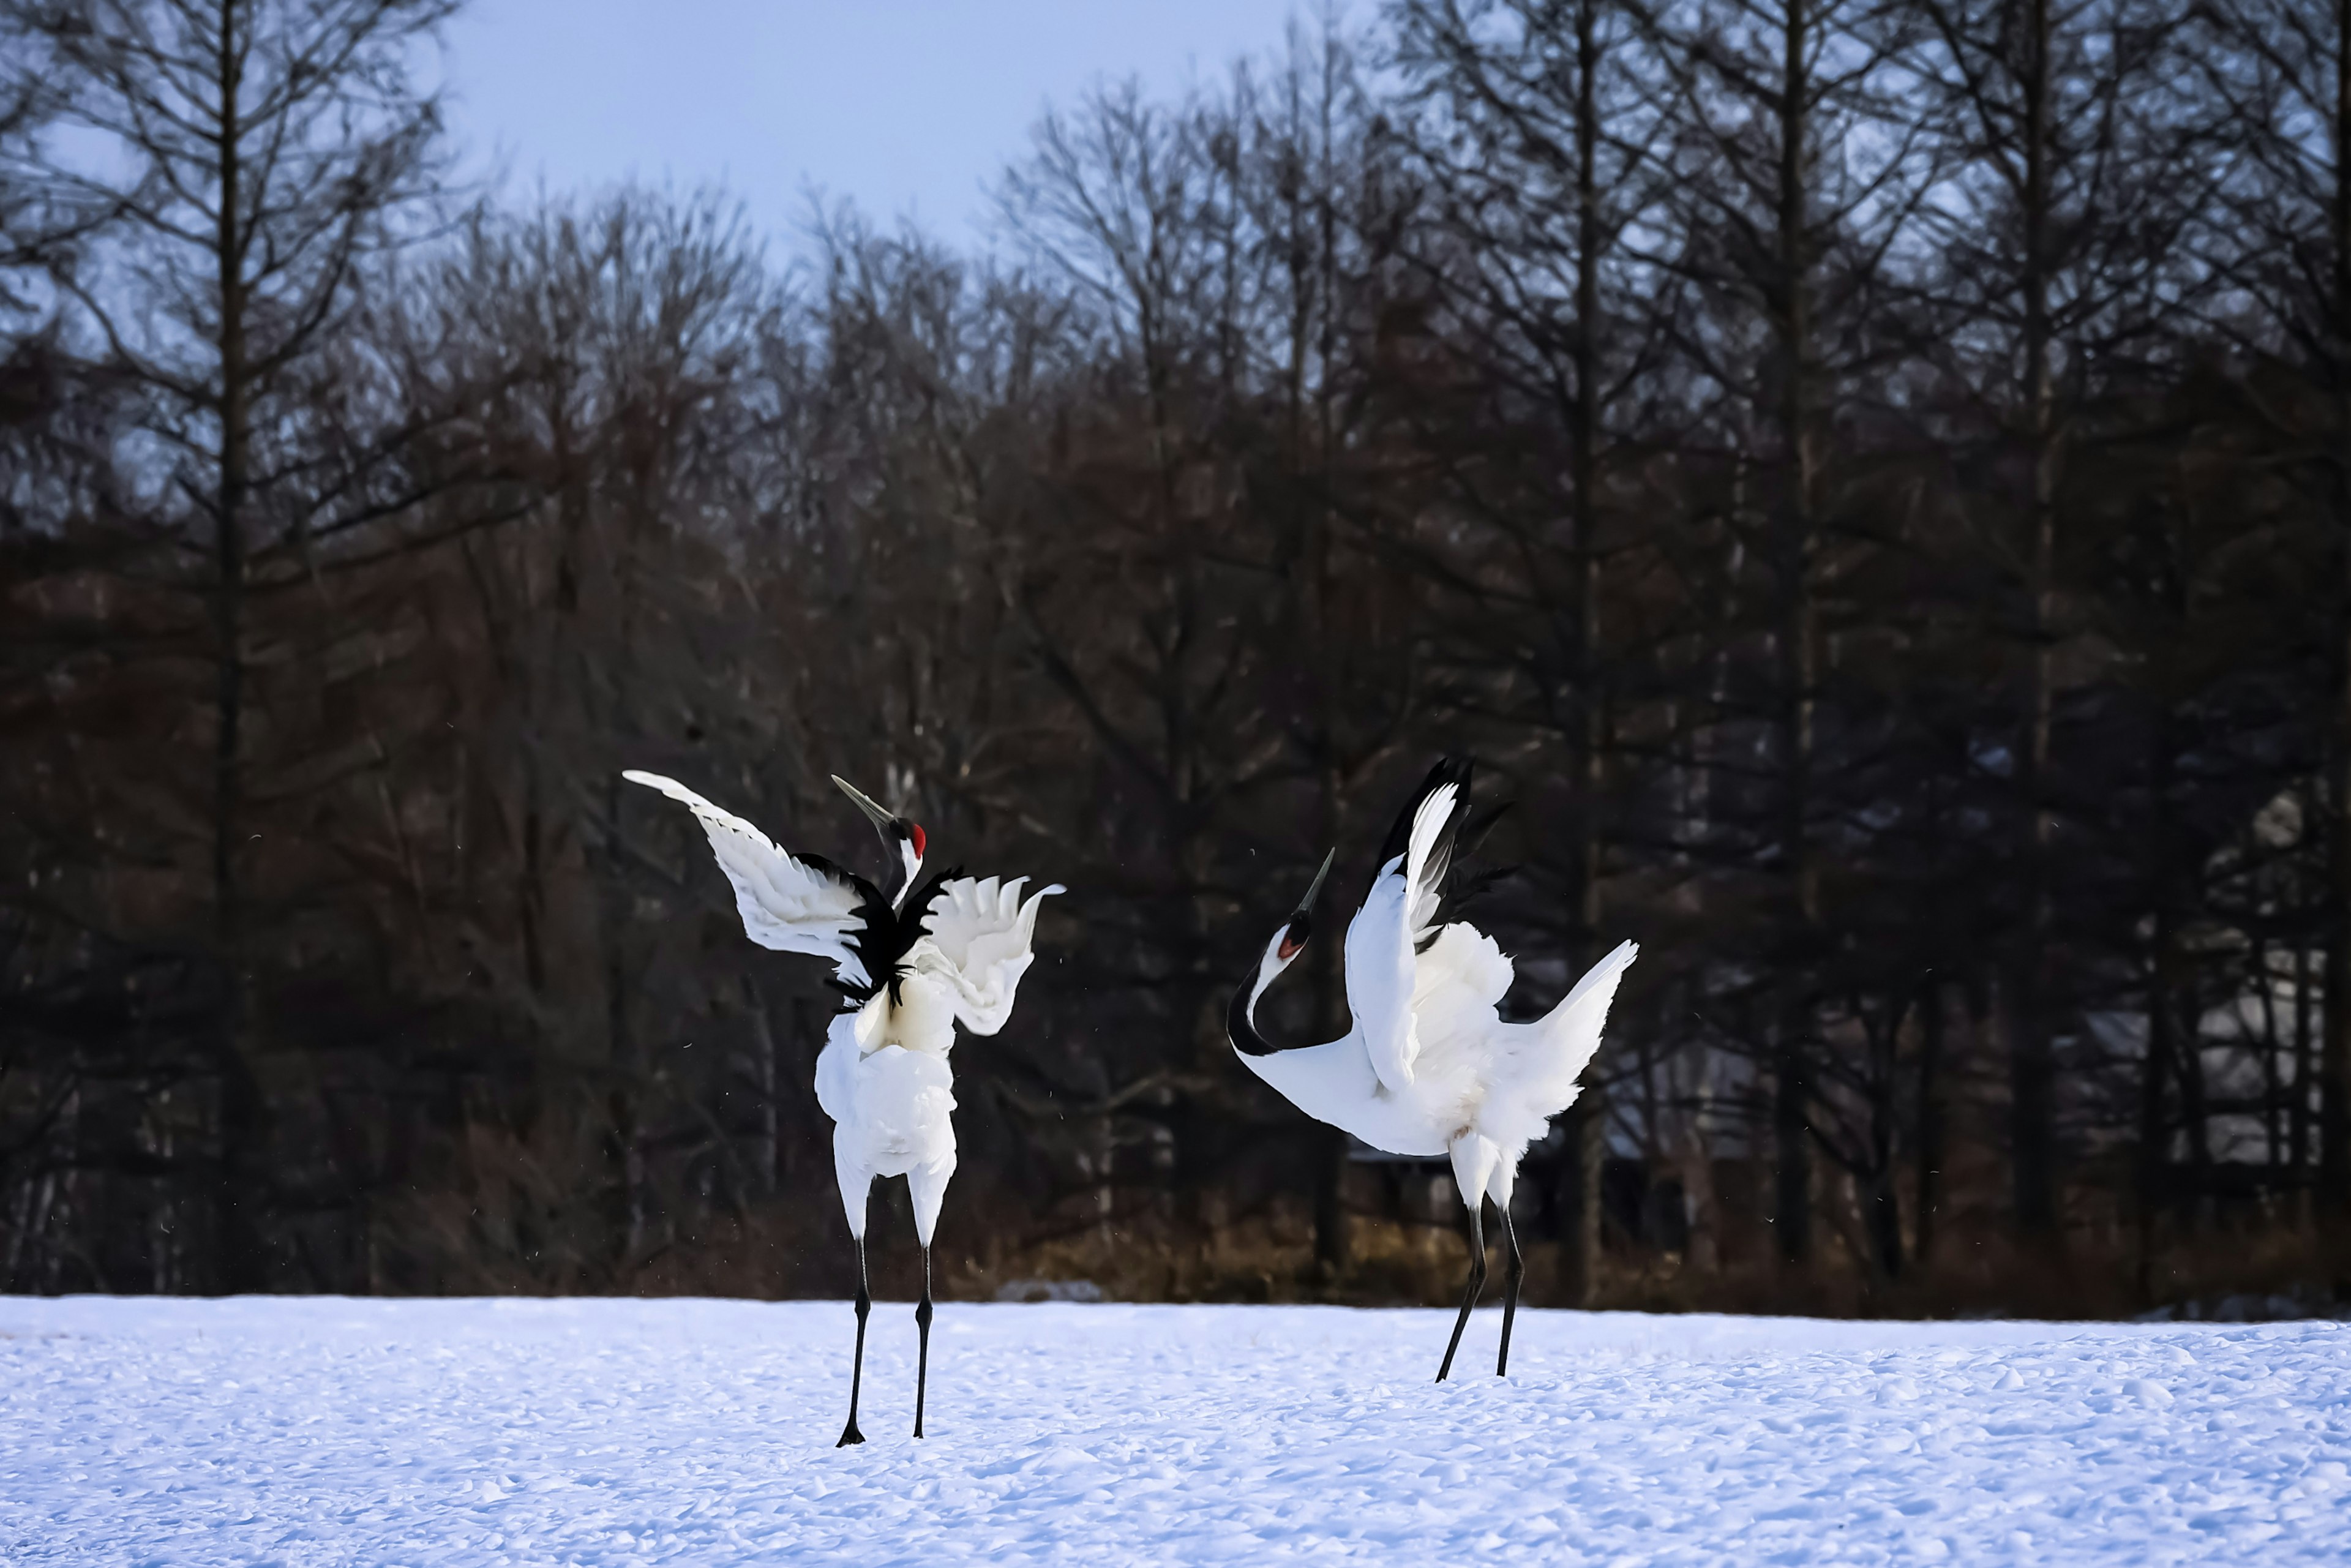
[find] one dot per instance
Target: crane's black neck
(1241, 1027)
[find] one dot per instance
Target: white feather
(1382, 972)
(787, 903)
(1379, 978)
(1545, 1059)
(1334, 1084)
(1481, 1088)
(1428, 1067)
(978, 942)
(1424, 868)
(882, 1076)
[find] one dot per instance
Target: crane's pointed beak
(1307, 902)
(881, 818)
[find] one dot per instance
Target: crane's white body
(892, 1110)
(1430, 1067)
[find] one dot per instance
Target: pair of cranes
(1428, 1068)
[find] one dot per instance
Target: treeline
(1869, 482)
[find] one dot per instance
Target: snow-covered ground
(326, 1430)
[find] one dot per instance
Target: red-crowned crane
(950, 950)
(1428, 1067)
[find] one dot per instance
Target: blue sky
(907, 106)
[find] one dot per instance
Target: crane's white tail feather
(1565, 1038)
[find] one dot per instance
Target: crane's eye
(1294, 939)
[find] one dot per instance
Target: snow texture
(324, 1430)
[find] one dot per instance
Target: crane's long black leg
(850, 1434)
(1476, 1280)
(1514, 1271)
(922, 1355)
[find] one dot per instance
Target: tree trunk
(626, 1150)
(1930, 1123)
(2154, 1134)
(1332, 1249)
(2298, 1115)
(2335, 1033)
(2031, 1061)
(1585, 458)
(1579, 1203)
(1884, 1191)
(1798, 652)
(764, 1077)
(2164, 1053)
(2188, 1061)
(1792, 1213)
(237, 1195)
(2273, 1048)
(2335, 1054)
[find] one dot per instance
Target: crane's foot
(850, 1434)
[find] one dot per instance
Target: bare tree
(1716, 416)
(1542, 145)
(1797, 179)
(2058, 269)
(255, 155)
(2280, 233)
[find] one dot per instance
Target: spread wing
(976, 938)
(1555, 1051)
(793, 904)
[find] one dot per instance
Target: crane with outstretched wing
(911, 966)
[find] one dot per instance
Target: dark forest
(1869, 481)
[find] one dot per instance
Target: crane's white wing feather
(1430, 856)
(790, 904)
(1536, 1075)
(836, 1068)
(977, 938)
(1379, 979)
(1381, 971)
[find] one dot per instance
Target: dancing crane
(950, 950)
(1428, 1067)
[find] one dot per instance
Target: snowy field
(330, 1431)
